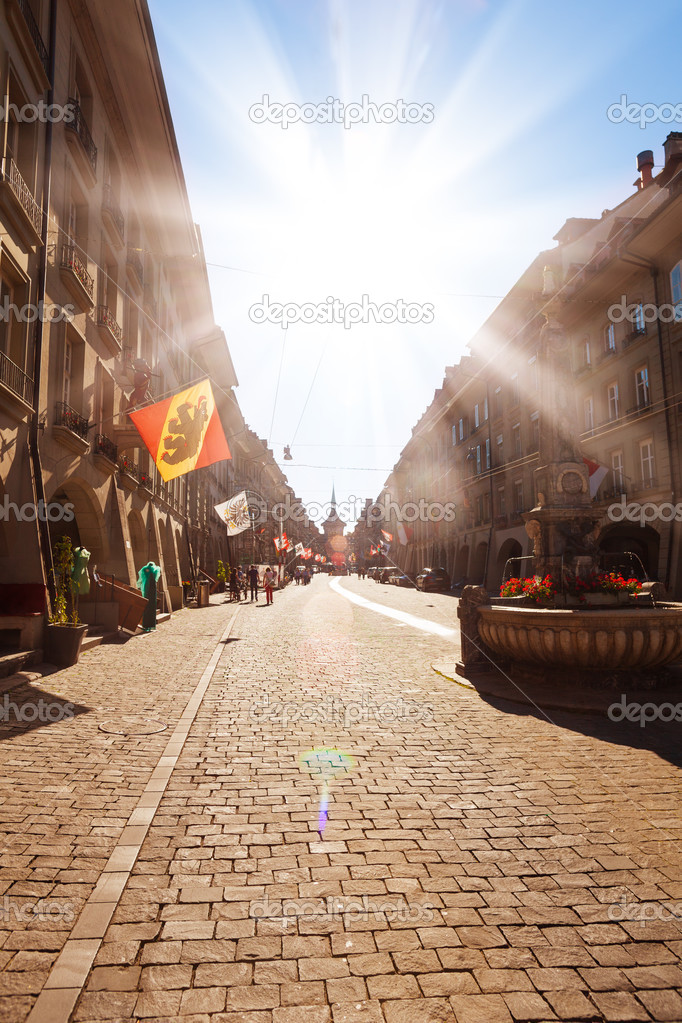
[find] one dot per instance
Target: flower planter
(606, 599)
(63, 644)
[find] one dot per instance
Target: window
(639, 323)
(501, 501)
(487, 453)
(478, 459)
(486, 507)
(68, 371)
(485, 410)
(642, 386)
(676, 290)
(515, 389)
(646, 461)
(535, 431)
(461, 430)
(454, 433)
(497, 402)
(516, 440)
(617, 472)
(518, 496)
(612, 400)
(587, 358)
(500, 449)
(588, 406)
(610, 338)
(533, 373)
(477, 420)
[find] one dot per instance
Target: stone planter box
(63, 644)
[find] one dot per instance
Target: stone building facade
(618, 289)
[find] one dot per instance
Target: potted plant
(64, 632)
(221, 576)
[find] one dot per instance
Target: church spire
(333, 496)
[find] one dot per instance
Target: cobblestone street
(343, 835)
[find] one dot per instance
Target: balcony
(22, 207)
(30, 41)
(129, 473)
(112, 215)
(16, 387)
(85, 150)
(635, 335)
(582, 369)
(651, 483)
(608, 353)
(105, 454)
(134, 263)
(640, 409)
(146, 481)
(501, 522)
(74, 272)
(70, 428)
(110, 331)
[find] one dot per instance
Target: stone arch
(478, 564)
(138, 538)
(462, 564)
(511, 548)
(86, 524)
(642, 541)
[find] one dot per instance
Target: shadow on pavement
(26, 707)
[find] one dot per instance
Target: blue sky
(445, 213)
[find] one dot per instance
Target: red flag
(183, 432)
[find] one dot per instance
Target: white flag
(299, 549)
(235, 513)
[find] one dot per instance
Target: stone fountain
(557, 642)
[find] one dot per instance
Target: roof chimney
(645, 164)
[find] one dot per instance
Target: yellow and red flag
(183, 432)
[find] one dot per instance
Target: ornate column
(561, 524)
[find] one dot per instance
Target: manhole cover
(127, 725)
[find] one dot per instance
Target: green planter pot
(63, 644)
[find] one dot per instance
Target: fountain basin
(618, 639)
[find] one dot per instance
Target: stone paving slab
(474, 863)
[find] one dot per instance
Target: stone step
(15, 660)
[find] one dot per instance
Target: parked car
(383, 575)
(402, 580)
(372, 571)
(432, 579)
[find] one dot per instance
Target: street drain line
(68, 975)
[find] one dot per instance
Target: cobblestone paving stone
(473, 865)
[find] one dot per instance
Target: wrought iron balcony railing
(650, 483)
(634, 336)
(13, 376)
(34, 32)
(146, 480)
(637, 410)
(24, 194)
(135, 263)
(79, 126)
(110, 205)
(129, 467)
(72, 420)
(105, 318)
(73, 262)
(106, 447)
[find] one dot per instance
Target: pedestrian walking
(234, 585)
(253, 582)
(268, 582)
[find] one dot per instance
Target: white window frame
(647, 460)
(642, 386)
(618, 471)
(613, 400)
(588, 408)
